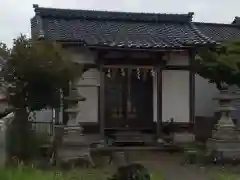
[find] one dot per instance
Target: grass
(158, 165)
(28, 173)
(225, 175)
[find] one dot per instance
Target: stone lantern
(225, 140)
(73, 109)
(71, 144)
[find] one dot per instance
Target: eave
(151, 49)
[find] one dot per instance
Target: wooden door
(139, 110)
(129, 101)
(115, 101)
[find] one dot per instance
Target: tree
(36, 72)
(220, 64)
(4, 50)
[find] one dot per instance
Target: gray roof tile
(219, 32)
(119, 29)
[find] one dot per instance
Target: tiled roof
(219, 32)
(108, 15)
(117, 29)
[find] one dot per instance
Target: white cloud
(15, 15)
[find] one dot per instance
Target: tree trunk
(18, 137)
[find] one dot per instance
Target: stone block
(183, 138)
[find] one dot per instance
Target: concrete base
(224, 149)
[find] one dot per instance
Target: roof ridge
(216, 24)
(112, 15)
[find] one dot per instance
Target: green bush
(35, 141)
(38, 139)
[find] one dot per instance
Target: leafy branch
(220, 64)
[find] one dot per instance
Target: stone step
(183, 138)
(132, 137)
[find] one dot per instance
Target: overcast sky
(15, 14)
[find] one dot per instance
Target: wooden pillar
(65, 104)
(191, 87)
(102, 101)
(159, 101)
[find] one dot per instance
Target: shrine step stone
(182, 138)
(132, 138)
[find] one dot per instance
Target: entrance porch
(144, 94)
(129, 111)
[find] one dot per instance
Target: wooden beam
(102, 101)
(65, 104)
(99, 109)
(178, 67)
(128, 66)
(191, 88)
(131, 49)
(159, 101)
(170, 67)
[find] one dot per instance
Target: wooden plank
(87, 85)
(128, 66)
(177, 67)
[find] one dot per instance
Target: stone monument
(225, 141)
